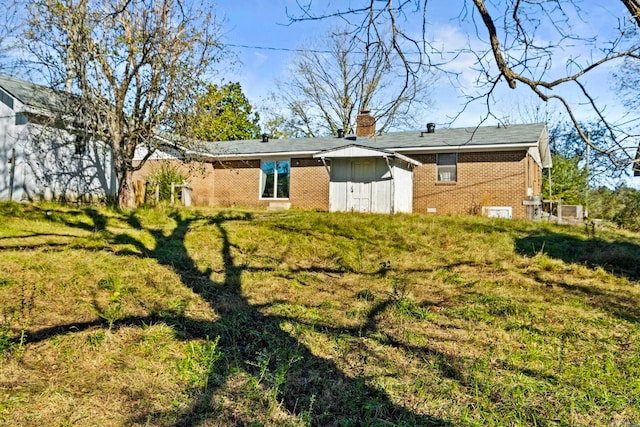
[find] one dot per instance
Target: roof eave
(466, 147)
(382, 153)
(241, 156)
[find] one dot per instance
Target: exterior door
(360, 186)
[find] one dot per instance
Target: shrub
(164, 174)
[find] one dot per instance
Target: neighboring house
(44, 153)
(494, 171)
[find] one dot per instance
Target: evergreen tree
(223, 113)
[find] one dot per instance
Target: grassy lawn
(231, 317)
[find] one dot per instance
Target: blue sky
(264, 23)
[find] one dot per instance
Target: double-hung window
(274, 180)
(447, 165)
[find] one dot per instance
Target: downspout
(393, 186)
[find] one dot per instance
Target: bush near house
(230, 317)
(163, 174)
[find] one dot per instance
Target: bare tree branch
(524, 41)
(326, 91)
(133, 64)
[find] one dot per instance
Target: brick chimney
(365, 124)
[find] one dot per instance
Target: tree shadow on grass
(250, 342)
(620, 258)
(250, 337)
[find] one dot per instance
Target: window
(21, 119)
(6, 99)
(80, 146)
(447, 164)
(275, 179)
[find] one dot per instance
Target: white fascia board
(256, 155)
(352, 150)
(459, 148)
(535, 155)
(407, 159)
(355, 150)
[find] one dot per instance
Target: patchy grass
(228, 317)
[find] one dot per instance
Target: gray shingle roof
(33, 95)
(454, 139)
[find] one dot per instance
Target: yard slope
(230, 317)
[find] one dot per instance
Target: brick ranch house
(480, 170)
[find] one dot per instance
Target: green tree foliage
(568, 180)
(223, 113)
(629, 216)
(603, 167)
(620, 206)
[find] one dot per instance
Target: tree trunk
(125, 189)
(125, 196)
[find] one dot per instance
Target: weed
(110, 284)
(273, 378)
(365, 295)
(164, 175)
(112, 312)
(7, 342)
(399, 287)
(409, 308)
(305, 415)
(199, 363)
(96, 339)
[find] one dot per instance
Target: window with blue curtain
(275, 178)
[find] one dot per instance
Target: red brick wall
(237, 183)
(309, 184)
(484, 179)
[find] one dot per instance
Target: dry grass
(210, 317)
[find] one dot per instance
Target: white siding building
(42, 155)
(368, 180)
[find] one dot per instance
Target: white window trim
(275, 179)
(438, 180)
